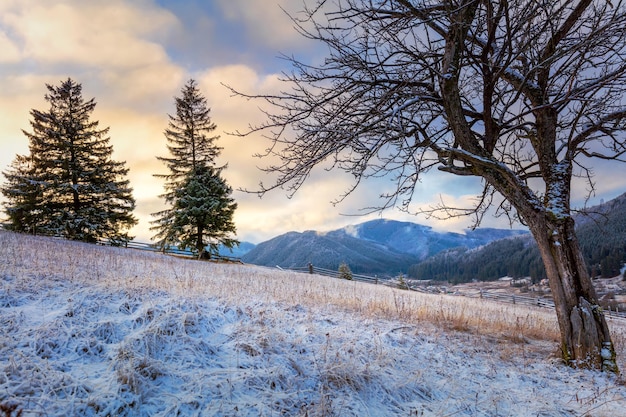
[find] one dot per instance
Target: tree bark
(585, 338)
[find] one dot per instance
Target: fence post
(310, 268)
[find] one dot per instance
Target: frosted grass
(100, 331)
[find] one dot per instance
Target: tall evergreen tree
(200, 207)
(24, 194)
(69, 186)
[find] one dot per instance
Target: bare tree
(523, 94)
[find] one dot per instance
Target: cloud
(114, 48)
(10, 51)
(266, 23)
(114, 34)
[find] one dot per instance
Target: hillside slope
(97, 331)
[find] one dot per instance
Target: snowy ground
(95, 331)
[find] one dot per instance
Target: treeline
(602, 237)
(601, 233)
(69, 186)
(515, 257)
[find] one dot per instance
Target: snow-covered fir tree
(200, 209)
(69, 185)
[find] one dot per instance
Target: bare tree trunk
(585, 338)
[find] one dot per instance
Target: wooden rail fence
(170, 251)
(539, 302)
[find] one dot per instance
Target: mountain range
(382, 247)
(388, 247)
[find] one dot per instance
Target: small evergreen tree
(345, 272)
(402, 284)
(69, 186)
(23, 211)
(200, 207)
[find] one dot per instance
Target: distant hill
(416, 239)
(328, 251)
(384, 247)
(601, 231)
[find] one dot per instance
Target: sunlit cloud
(263, 23)
(112, 34)
(134, 56)
(10, 51)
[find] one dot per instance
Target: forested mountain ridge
(602, 236)
(516, 257)
(601, 231)
(385, 247)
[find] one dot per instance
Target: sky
(134, 56)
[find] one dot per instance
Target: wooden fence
(335, 274)
(171, 251)
(535, 302)
(539, 302)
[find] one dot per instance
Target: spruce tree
(24, 209)
(345, 272)
(200, 207)
(69, 186)
(204, 212)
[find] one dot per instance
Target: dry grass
(158, 335)
(136, 271)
